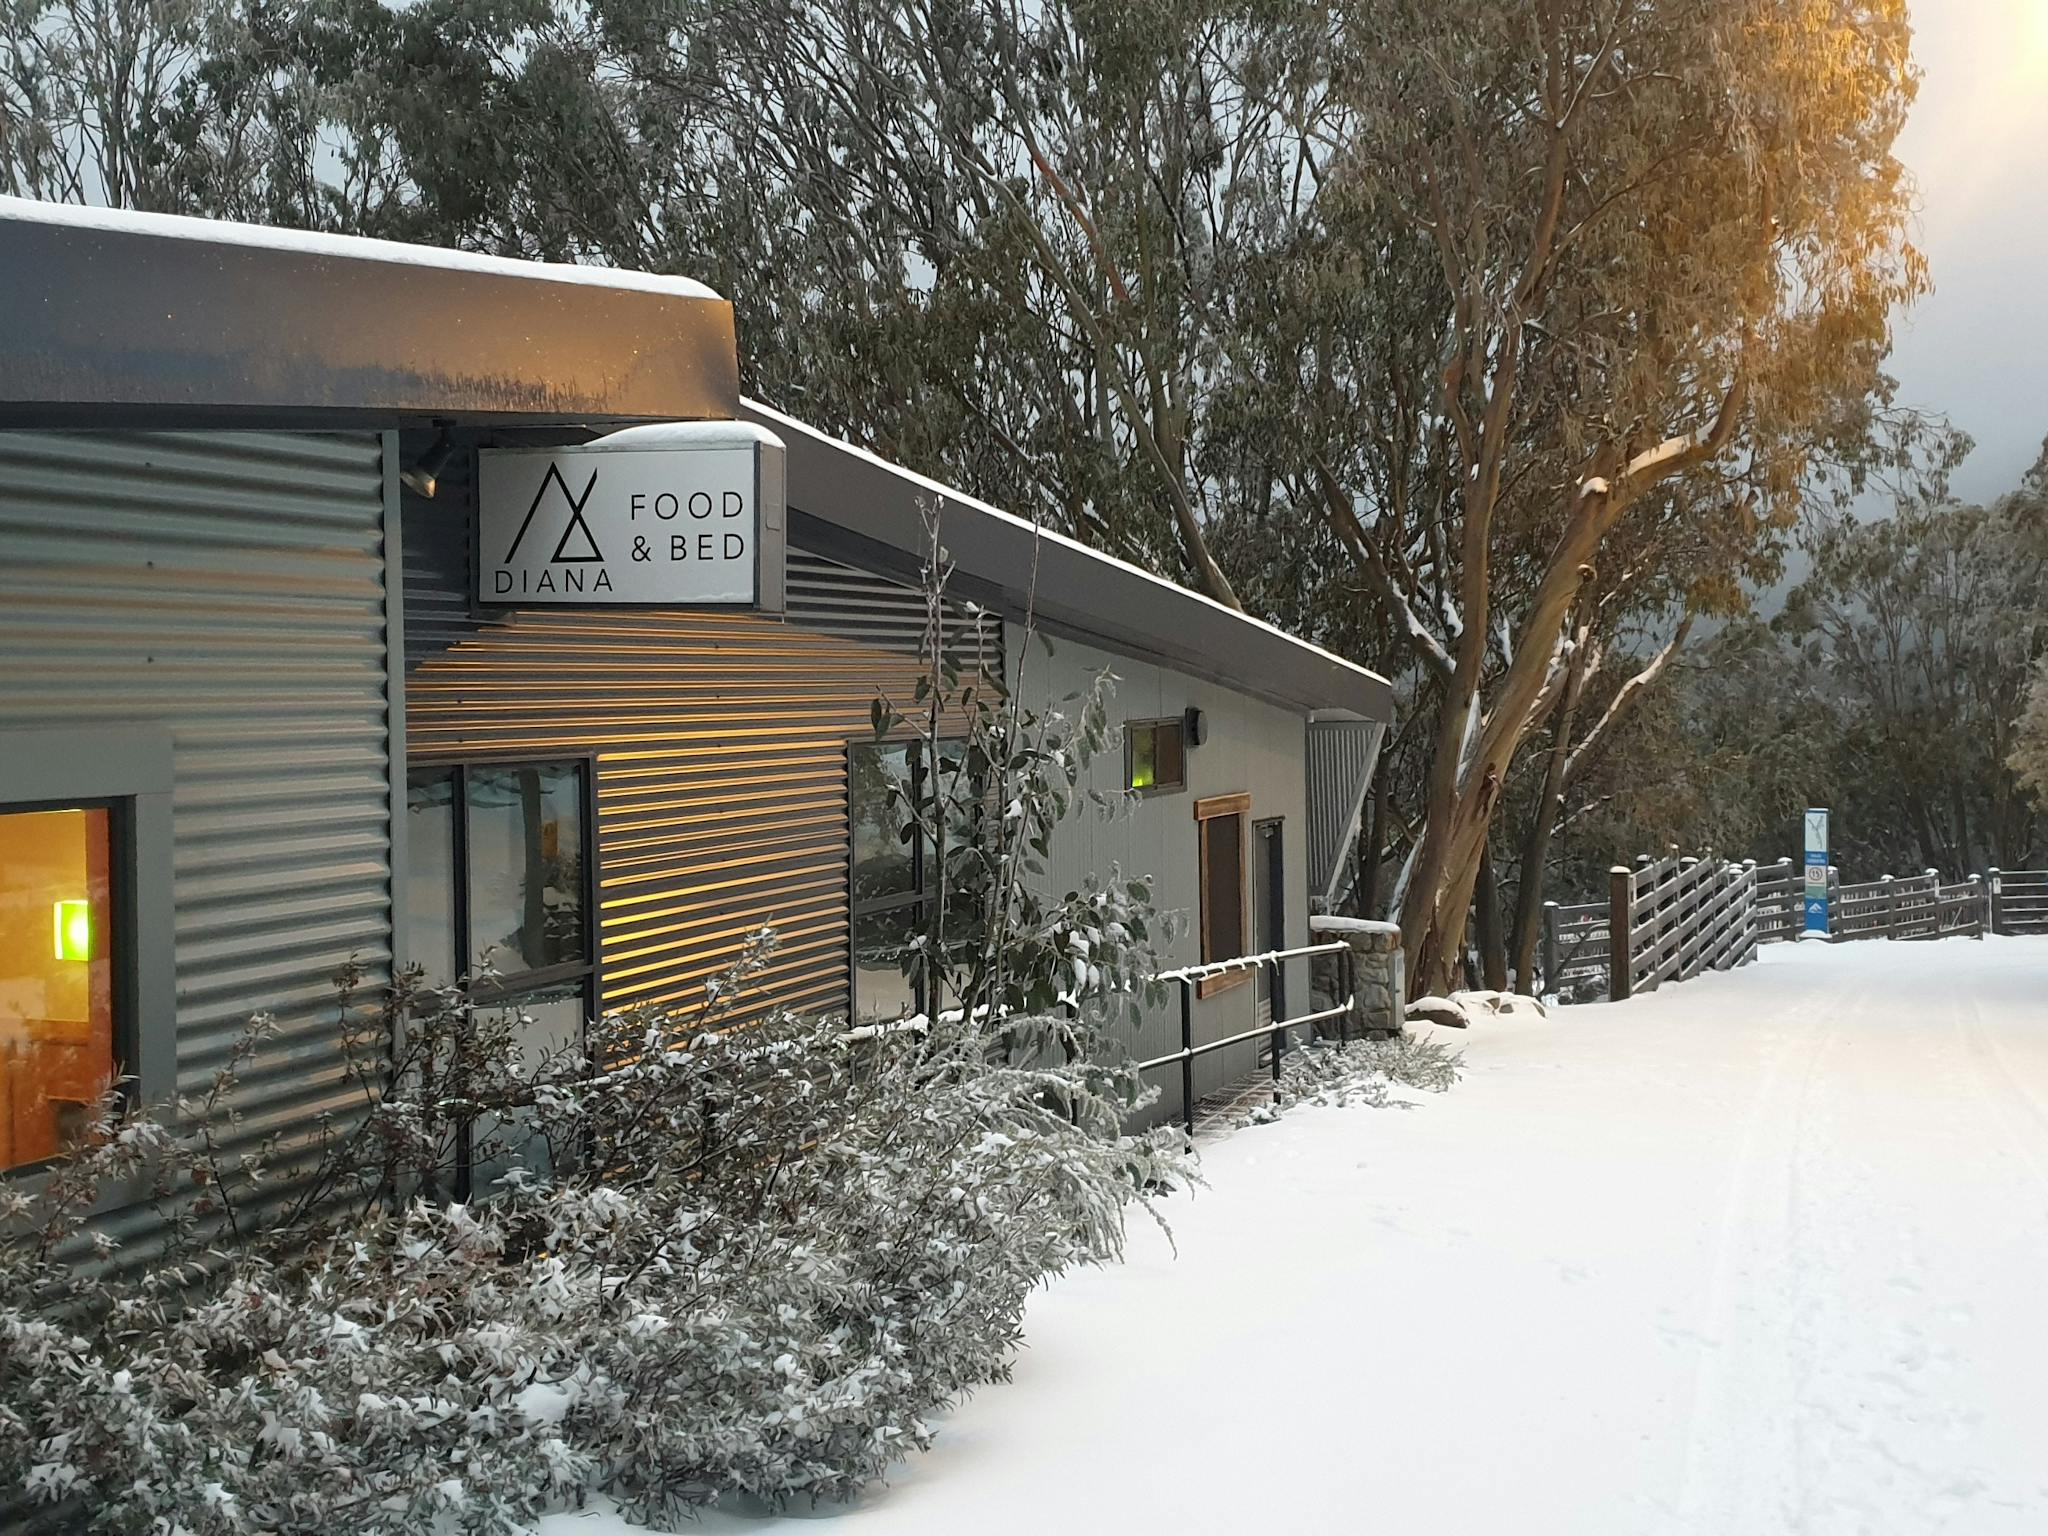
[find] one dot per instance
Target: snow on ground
(1761, 1253)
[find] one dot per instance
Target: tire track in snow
(1719, 1482)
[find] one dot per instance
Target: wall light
(71, 924)
(425, 474)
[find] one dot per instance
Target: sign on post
(1816, 874)
(682, 516)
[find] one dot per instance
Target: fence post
(1187, 1054)
(1891, 907)
(1934, 894)
(1991, 898)
(1620, 921)
(1752, 920)
(1549, 951)
(1976, 906)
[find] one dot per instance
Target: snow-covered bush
(1364, 1071)
(733, 1250)
(729, 1250)
(749, 1255)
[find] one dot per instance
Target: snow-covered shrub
(746, 1254)
(1363, 1072)
(729, 1250)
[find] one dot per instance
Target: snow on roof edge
(792, 425)
(177, 226)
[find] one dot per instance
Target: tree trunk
(1536, 844)
(1493, 957)
(1371, 849)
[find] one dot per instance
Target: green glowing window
(1155, 760)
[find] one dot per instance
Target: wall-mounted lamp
(424, 477)
(71, 926)
(1194, 726)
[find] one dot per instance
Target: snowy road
(1763, 1253)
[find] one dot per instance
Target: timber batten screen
(720, 741)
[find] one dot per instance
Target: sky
(1977, 144)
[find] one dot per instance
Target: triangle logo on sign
(576, 546)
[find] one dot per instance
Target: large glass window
(894, 870)
(889, 877)
(498, 885)
(57, 951)
(499, 890)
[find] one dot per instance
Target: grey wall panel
(720, 739)
(231, 587)
(1254, 748)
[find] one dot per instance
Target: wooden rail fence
(1673, 918)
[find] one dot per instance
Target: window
(499, 887)
(1155, 756)
(888, 878)
(1221, 822)
(893, 873)
(58, 936)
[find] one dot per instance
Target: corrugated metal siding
(720, 739)
(230, 586)
(1341, 758)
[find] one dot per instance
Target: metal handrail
(1187, 977)
(1242, 962)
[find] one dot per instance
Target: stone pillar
(1379, 1008)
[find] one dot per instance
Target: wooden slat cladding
(720, 739)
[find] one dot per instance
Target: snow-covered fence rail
(1908, 907)
(1672, 918)
(1275, 1031)
(1574, 947)
(2018, 900)
(1780, 890)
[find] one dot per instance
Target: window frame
(590, 969)
(1212, 808)
(125, 770)
(1178, 723)
(922, 887)
(510, 991)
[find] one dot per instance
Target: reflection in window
(526, 865)
(56, 977)
(894, 872)
(430, 878)
(884, 860)
(497, 877)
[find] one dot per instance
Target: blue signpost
(1816, 873)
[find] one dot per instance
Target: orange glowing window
(56, 977)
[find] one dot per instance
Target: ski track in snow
(1758, 1253)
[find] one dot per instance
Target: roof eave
(150, 321)
(864, 509)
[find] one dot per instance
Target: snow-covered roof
(111, 317)
(171, 226)
(1077, 589)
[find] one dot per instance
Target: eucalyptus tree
(1647, 251)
